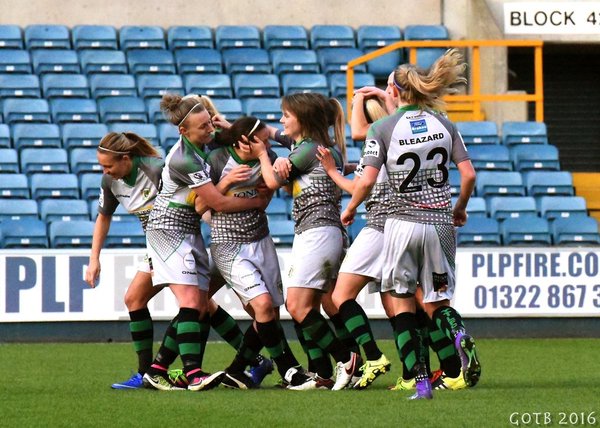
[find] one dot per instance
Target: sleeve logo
(371, 148)
(199, 177)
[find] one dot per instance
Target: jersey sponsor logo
(418, 126)
(418, 140)
(371, 148)
(199, 177)
(101, 198)
(189, 261)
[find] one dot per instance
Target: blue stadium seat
(502, 183)
(71, 234)
(476, 207)
(29, 233)
(84, 160)
(491, 157)
(103, 61)
(377, 36)
(554, 183)
(427, 56)
(383, 65)
(17, 110)
(280, 151)
(197, 36)
(255, 85)
(158, 61)
(156, 85)
(48, 185)
(18, 209)
(113, 85)
(125, 234)
(65, 86)
(122, 109)
(304, 82)
(503, 207)
(246, 60)
(332, 36)
(353, 154)
(11, 37)
(542, 157)
(199, 61)
(479, 231)
(265, 109)
(355, 228)
(120, 214)
(15, 61)
(55, 61)
(36, 135)
(34, 160)
(337, 82)
(141, 37)
(14, 185)
(213, 85)
(553, 207)
(82, 134)
(47, 37)
(230, 109)
(90, 186)
(63, 210)
(454, 181)
(74, 110)
(335, 60)
(426, 32)
(168, 135)
(525, 231)
(294, 61)
(282, 232)
(144, 130)
(582, 232)
(4, 136)
(479, 132)
(524, 133)
(277, 209)
(285, 36)
(94, 37)
(237, 36)
(155, 114)
(9, 161)
(19, 86)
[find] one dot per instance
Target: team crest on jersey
(418, 126)
(199, 177)
(371, 148)
(146, 193)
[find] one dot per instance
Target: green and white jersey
(136, 192)
(376, 202)
(185, 169)
(317, 199)
(240, 227)
(416, 147)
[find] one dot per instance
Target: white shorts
(364, 255)
(250, 269)
(144, 265)
(177, 258)
(316, 257)
(419, 253)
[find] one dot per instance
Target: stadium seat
(353, 154)
(52, 160)
(14, 185)
(237, 36)
(84, 160)
(18, 209)
(552, 207)
(199, 61)
(285, 36)
(502, 183)
(15, 61)
(478, 132)
(82, 134)
(213, 85)
(335, 60)
(197, 36)
(122, 109)
(377, 36)
(277, 209)
(9, 161)
(381, 66)
(103, 61)
(282, 232)
(73, 110)
(246, 60)
(112, 85)
(524, 133)
(151, 61)
(427, 56)
(280, 151)
(144, 130)
(168, 135)
(255, 85)
(71, 234)
(125, 234)
(120, 214)
(11, 37)
(55, 61)
(490, 157)
(525, 231)
(28, 233)
(141, 37)
(425, 32)
(156, 85)
(36, 135)
(476, 207)
(542, 157)
(47, 37)
(206, 235)
(19, 86)
(155, 114)
(49, 185)
(304, 82)
(554, 183)
(94, 37)
(582, 232)
(332, 36)
(63, 210)
(65, 86)
(265, 109)
(454, 181)
(230, 109)
(503, 207)
(479, 231)
(90, 186)
(17, 110)
(338, 82)
(294, 61)
(4, 136)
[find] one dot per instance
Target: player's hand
(283, 167)
(459, 217)
(347, 217)
(219, 122)
(326, 159)
(238, 174)
(92, 273)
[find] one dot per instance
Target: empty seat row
(518, 157)
(486, 132)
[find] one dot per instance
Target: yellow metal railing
(475, 96)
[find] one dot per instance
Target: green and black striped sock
(189, 339)
(445, 350)
(168, 351)
(249, 349)
(357, 323)
(226, 327)
(343, 334)
(405, 325)
(449, 321)
(142, 334)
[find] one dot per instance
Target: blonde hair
(208, 105)
(374, 110)
(176, 108)
(120, 144)
(426, 88)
